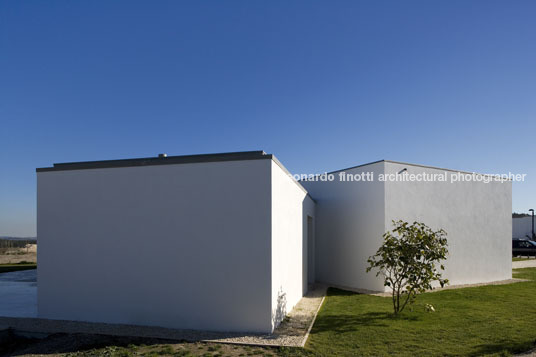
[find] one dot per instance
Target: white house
(353, 215)
(230, 242)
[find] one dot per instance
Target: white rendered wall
(476, 216)
(349, 227)
(522, 227)
(290, 208)
(181, 246)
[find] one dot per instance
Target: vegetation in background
(520, 215)
(6, 268)
(407, 261)
(15, 243)
(15, 246)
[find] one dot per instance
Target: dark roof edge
(171, 160)
(149, 161)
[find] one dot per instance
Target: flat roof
(169, 160)
(157, 160)
(408, 164)
(189, 159)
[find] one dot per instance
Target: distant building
(522, 227)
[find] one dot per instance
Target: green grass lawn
(5, 268)
(487, 320)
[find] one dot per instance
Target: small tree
(407, 260)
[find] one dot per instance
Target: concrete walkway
(292, 332)
(524, 264)
(19, 311)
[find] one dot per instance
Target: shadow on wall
(281, 308)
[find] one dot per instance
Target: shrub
(408, 260)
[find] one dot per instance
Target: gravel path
(292, 332)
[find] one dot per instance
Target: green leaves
(407, 260)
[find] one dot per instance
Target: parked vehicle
(523, 247)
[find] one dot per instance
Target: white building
(352, 216)
(227, 242)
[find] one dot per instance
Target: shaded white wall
(476, 216)
(352, 217)
(290, 208)
(522, 227)
(349, 227)
(181, 246)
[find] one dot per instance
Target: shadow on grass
(339, 292)
(14, 345)
(502, 348)
(348, 322)
(352, 323)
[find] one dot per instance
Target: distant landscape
(18, 250)
(10, 242)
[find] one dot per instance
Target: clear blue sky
(321, 84)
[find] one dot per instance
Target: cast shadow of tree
(344, 323)
(502, 348)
